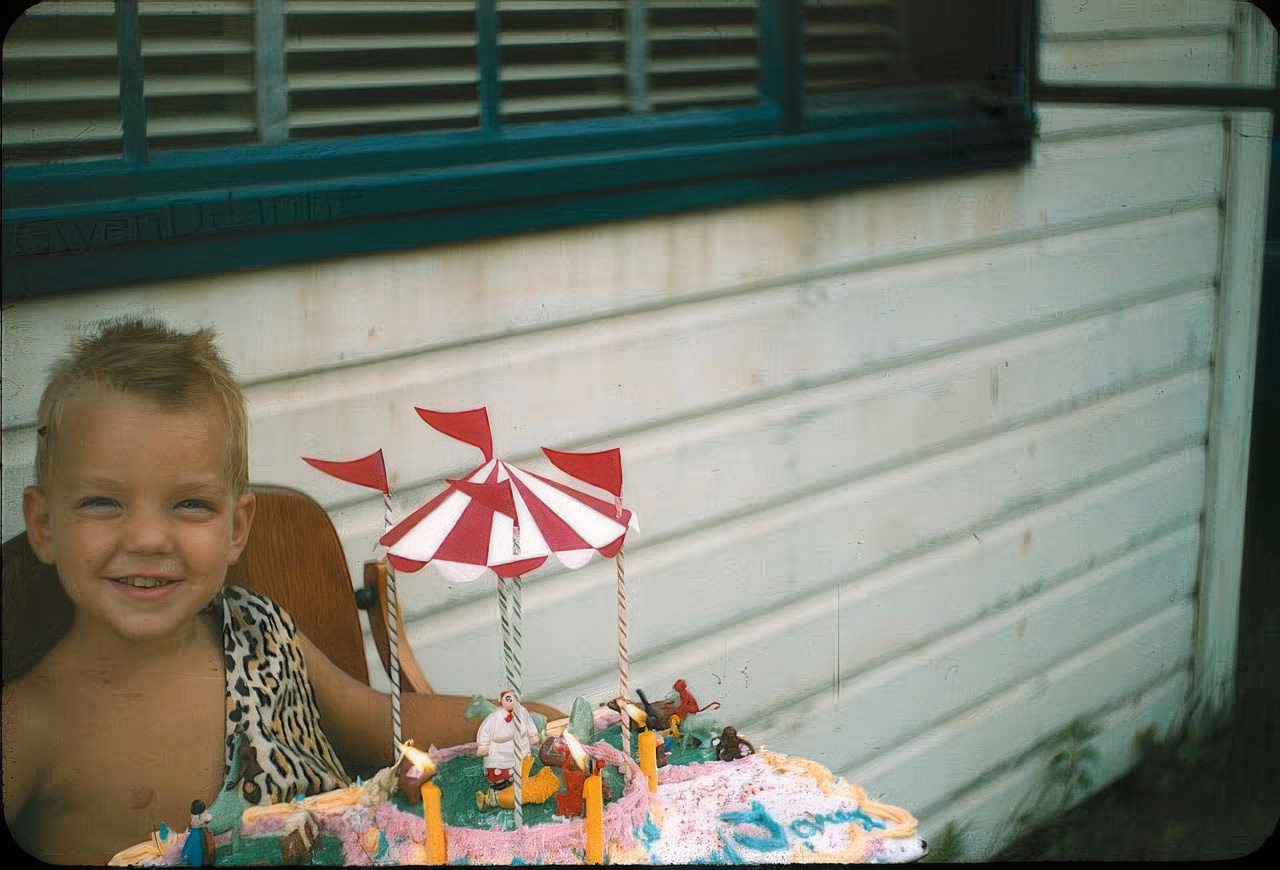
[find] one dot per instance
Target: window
(156, 138)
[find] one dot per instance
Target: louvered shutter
(61, 77)
(198, 72)
(569, 59)
(853, 44)
(346, 68)
(380, 66)
(563, 60)
(61, 89)
(703, 54)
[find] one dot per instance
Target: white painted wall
(921, 469)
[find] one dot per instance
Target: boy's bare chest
(141, 755)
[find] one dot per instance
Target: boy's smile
(138, 515)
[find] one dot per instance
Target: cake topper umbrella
(502, 518)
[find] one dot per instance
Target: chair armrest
(373, 600)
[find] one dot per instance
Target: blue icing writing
(725, 855)
(811, 825)
(775, 838)
(649, 833)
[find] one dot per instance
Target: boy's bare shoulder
(29, 703)
(31, 726)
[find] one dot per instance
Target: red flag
(494, 495)
(369, 471)
(602, 469)
(471, 427)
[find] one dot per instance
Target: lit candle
(437, 849)
(593, 795)
(648, 743)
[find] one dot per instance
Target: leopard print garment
(270, 702)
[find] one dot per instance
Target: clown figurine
(495, 741)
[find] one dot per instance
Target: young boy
(142, 502)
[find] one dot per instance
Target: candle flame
(575, 749)
(634, 713)
(419, 759)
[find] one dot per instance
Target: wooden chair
(293, 556)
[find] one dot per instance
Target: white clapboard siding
(1180, 250)
(921, 469)
(811, 543)
(849, 726)
(892, 416)
(733, 342)
(986, 736)
(1113, 42)
(419, 301)
(1097, 18)
(985, 814)
(1186, 58)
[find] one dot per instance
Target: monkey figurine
(729, 746)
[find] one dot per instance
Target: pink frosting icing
(552, 842)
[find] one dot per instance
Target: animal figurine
(533, 789)
(730, 747)
(233, 800)
(686, 704)
(570, 802)
(671, 710)
(695, 730)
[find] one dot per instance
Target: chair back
(293, 557)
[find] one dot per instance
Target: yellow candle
(649, 758)
(437, 849)
(593, 795)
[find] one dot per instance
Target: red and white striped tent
(508, 520)
(501, 517)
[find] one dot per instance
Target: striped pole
(509, 673)
(515, 677)
(624, 656)
(393, 632)
(521, 722)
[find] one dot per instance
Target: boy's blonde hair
(144, 358)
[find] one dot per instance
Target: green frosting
(260, 851)
(459, 779)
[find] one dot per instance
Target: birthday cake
(763, 807)
(617, 784)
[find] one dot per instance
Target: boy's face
(138, 514)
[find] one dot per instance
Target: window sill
(193, 214)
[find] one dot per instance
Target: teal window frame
(146, 217)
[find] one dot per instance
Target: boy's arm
(24, 749)
(357, 719)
